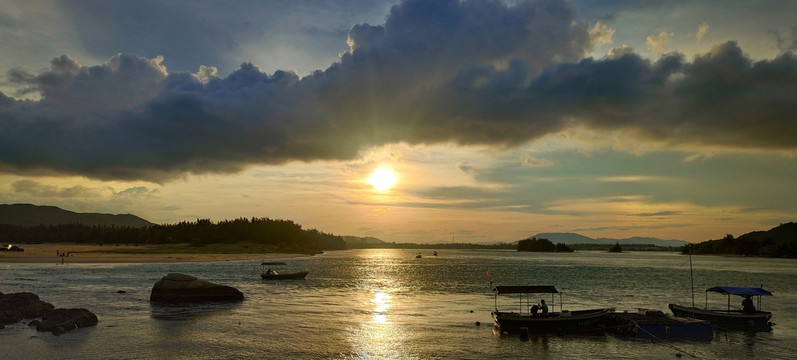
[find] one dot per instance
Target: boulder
(17, 306)
(59, 321)
(180, 288)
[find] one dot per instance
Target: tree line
(541, 245)
(284, 235)
(745, 246)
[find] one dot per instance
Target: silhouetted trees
(616, 248)
(282, 234)
(541, 245)
(780, 241)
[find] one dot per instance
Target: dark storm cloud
(475, 72)
(191, 33)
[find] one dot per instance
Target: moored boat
(267, 272)
(560, 322)
(656, 325)
(749, 318)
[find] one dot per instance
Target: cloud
(34, 188)
(474, 72)
(660, 43)
(702, 29)
(529, 160)
(137, 192)
(601, 34)
(660, 213)
(786, 43)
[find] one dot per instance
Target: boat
(418, 256)
(560, 322)
(434, 253)
(751, 319)
(268, 272)
(654, 324)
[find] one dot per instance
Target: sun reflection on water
(381, 303)
(380, 333)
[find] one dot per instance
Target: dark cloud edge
(129, 119)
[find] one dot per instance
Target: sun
(382, 179)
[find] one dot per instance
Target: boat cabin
(525, 301)
(745, 292)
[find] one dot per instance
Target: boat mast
(691, 274)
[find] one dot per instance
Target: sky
(498, 119)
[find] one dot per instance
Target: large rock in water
(178, 288)
(17, 306)
(59, 321)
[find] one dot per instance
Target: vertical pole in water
(691, 274)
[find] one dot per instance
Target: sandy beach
(81, 253)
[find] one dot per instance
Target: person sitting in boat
(534, 309)
(270, 272)
(544, 308)
(747, 305)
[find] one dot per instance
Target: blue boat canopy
(741, 291)
(532, 289)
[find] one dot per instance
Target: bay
(388, 304)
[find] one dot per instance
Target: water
(386, 304)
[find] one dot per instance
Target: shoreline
(93, 254)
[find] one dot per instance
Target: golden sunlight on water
(380, 333)
(381, 303)
(378, 336)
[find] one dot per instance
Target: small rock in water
(478, 323)
(121, 292)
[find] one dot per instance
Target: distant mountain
(567, 238)
(360, 241)
(573, 238)
(34, 215)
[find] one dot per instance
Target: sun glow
(382, 179)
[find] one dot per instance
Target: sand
(79, 253)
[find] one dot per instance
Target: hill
(573, 239)
(780, 241)
(34, 215)
(356, 241)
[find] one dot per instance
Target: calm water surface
(386, 304)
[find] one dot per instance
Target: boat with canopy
(750, 317)
(526, 314)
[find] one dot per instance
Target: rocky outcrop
(17, 306)
(59, 321)
(180, 288)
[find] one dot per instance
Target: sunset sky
(499, 119)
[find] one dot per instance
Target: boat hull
(556, 323)
(655, 325)
(731, 320)
(298, 275)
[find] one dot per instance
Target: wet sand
(80, 253)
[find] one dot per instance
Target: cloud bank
(473, 72)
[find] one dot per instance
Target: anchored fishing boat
(537, 319)
(656, 325)
(748, 318)
(268, 272)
